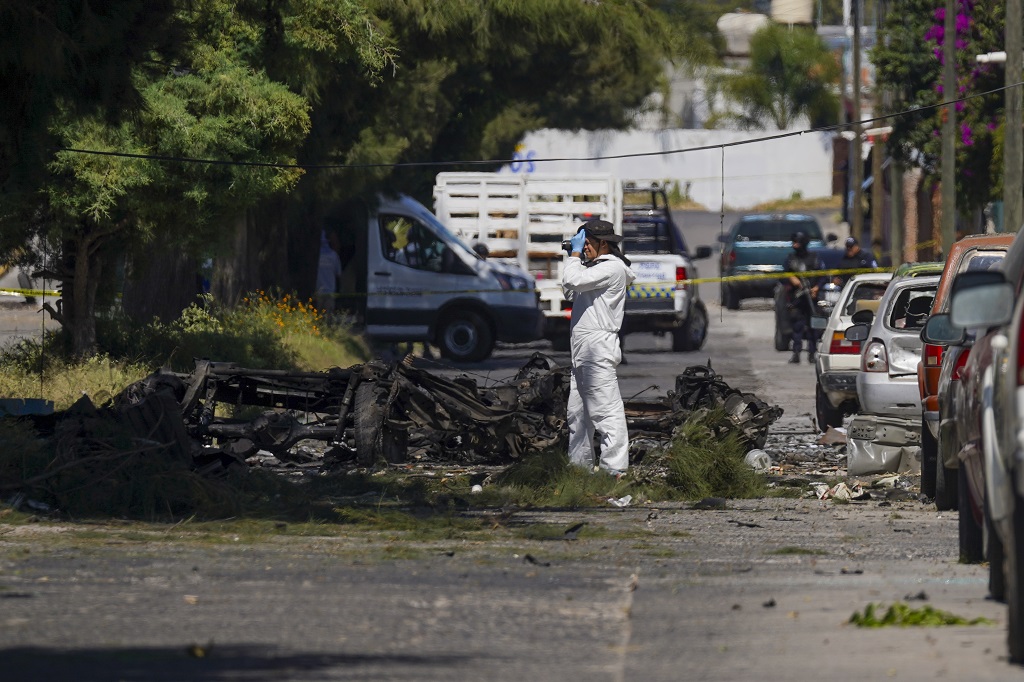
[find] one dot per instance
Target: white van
(423, 283)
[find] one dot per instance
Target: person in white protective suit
(597, 290)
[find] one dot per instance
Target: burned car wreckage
(376, 412)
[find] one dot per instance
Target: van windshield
(776, 230)
(452, 239)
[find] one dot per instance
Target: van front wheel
(465, 337)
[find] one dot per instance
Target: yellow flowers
(286, 312)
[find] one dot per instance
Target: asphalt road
(761, 590)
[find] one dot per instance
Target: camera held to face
(567, 246)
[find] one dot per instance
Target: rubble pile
(221, 415)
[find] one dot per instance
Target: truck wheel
(729, 299)
(971, 548)
(375, 440)
(465, 337)
(691, 335)
(929, 460)
(827, 415)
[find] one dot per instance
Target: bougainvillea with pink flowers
(909, 60)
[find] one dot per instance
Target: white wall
(754, 173)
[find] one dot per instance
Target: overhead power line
(488, 162)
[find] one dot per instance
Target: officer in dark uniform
(802, 294)
(855, 258)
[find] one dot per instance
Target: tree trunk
(80, 310)
(911, 185)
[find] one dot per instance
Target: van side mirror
(702, 252)
(858, 332)
(939, 330)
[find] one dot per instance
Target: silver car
(891, 349)
(838, 360)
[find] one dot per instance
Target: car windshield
(776, 230)
(864, 291)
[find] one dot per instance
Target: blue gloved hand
(577, 241)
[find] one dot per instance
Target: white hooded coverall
(598, 293)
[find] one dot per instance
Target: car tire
(971, 539)
(827, 415)
(465, 337)
(691, 335)
(375, 441)
(730, 301)
(1014, 548)
(946, 487)
(929, 460)
(996, 555)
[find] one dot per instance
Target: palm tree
(791, 75)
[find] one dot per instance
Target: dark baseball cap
(851, 241)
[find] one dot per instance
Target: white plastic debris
(477, 488)
(820, 490)
(886, 482)
(840, 491)
(622, 501)
(758, 460)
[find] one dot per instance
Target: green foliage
(267, 331)
(32, 370)
(58, 55)
(258, 86)
(902, 615)
(791, 74)
(908, 65)
(701, 462)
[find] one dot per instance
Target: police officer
(598, 294)
(855, 258)
(802, 294)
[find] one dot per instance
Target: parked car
(939, 443)
(905, 270)
(757, 245)
(891, 349)
(991, 492)
(838, 360)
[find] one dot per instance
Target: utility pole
(1013, 149)
(878, 148)
(949, 129)
(856, 158)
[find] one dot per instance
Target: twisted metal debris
(221, 414)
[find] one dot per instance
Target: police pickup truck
(523, 219)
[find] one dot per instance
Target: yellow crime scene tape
(29, 292)
(657, 289)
